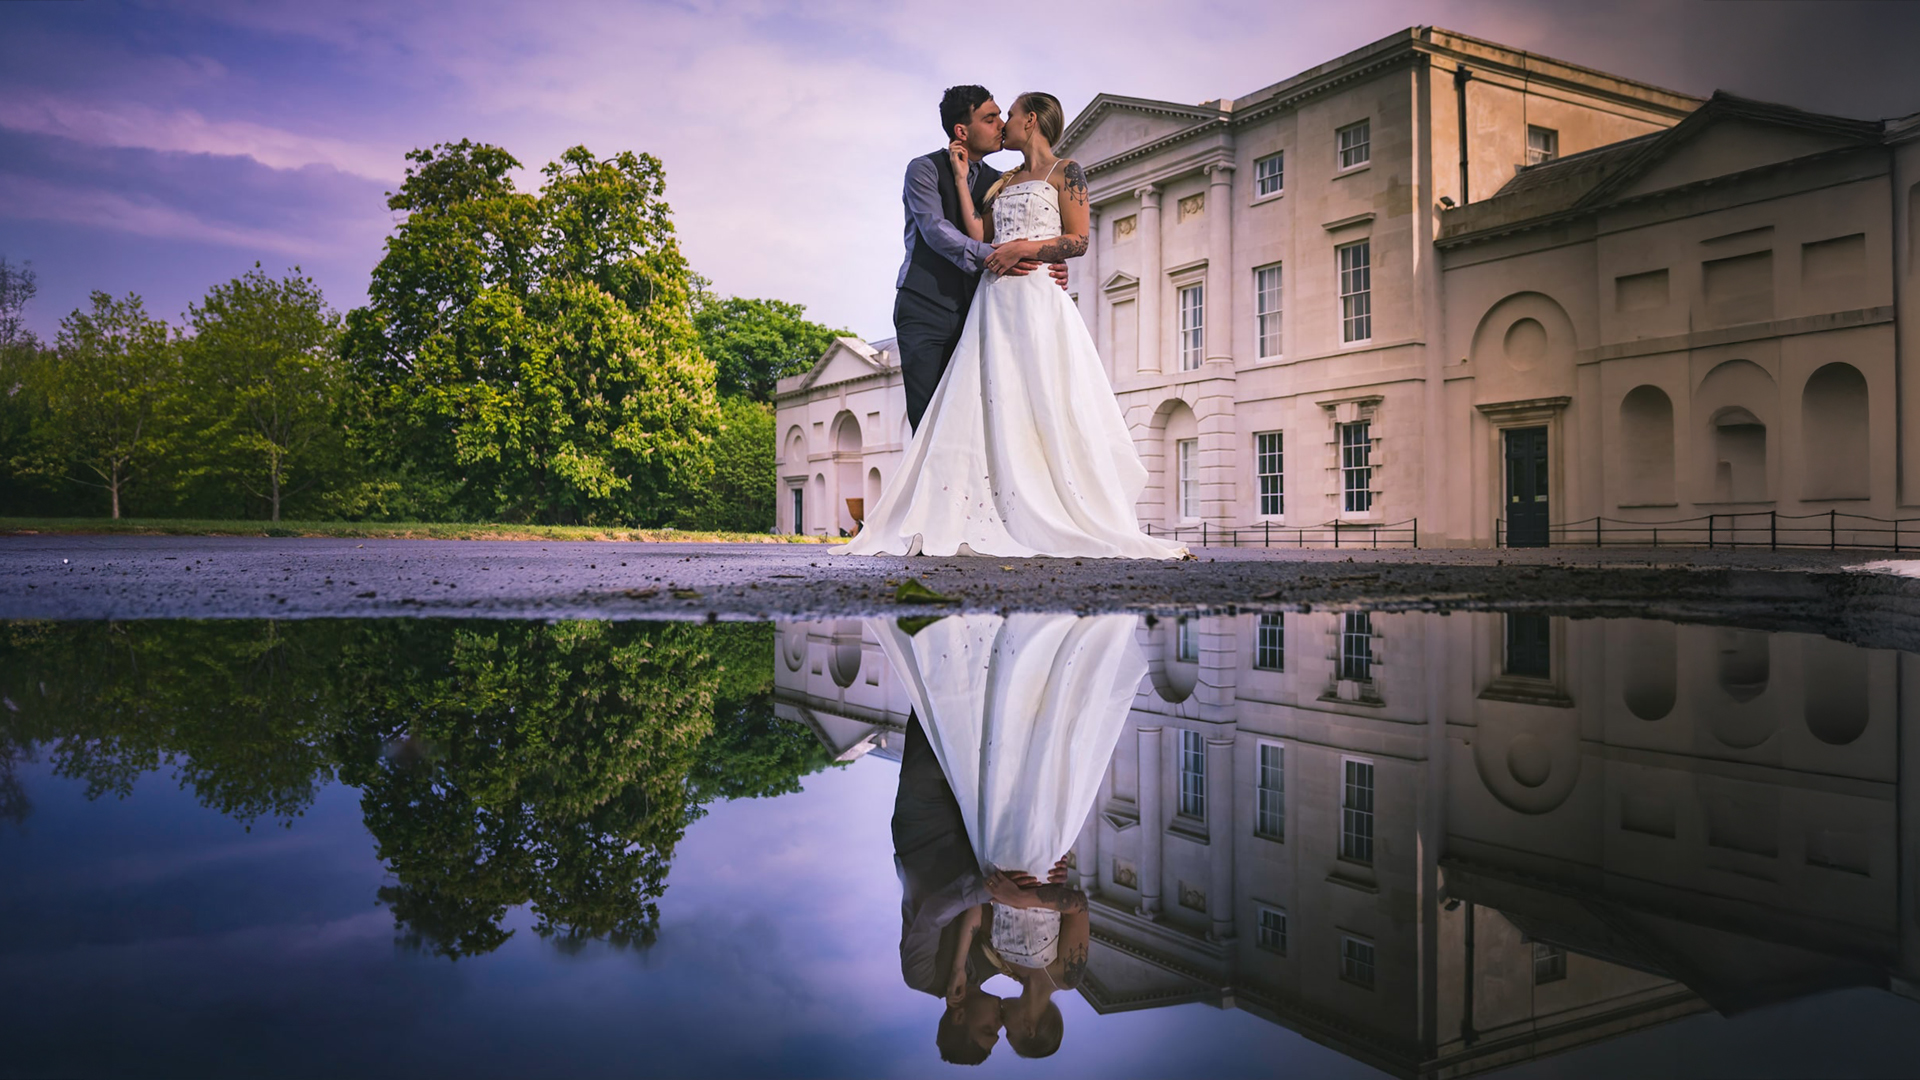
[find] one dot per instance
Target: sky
(161, 148)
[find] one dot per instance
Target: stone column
(1220, 325)
(1086, 853)
(1220, 833)
(1088, 286)
(1152, 826)
(1152, 349)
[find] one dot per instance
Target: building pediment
(1112, 125)
(1120, 281)
(1730, 135)
(846, 359)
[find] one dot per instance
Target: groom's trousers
(925, 331)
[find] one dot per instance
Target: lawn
(398, 530)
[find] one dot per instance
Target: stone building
(842, 426)
(1297, 291)
(1445, 844)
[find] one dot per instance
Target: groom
(936, 283)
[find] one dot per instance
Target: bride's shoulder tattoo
(1076, 183)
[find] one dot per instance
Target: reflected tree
(500, 765)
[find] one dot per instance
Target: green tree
(740, 496)
(263, 356)
(755, 343)
(536, 353)
(111, 394)
(23, 405)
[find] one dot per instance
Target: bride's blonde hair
(1052, 121)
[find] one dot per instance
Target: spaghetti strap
(1050, 168)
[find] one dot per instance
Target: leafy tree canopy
(755, 343)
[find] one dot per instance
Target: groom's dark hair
(957, 105)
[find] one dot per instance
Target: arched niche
(1835, 690)
(1173, 678)
(794, 452)
(793, 646)
(1646, 446)
(1650, 682)
(844, 662)
(1744, 670)
(846, 469)
(1736, 401)
(1834, 444)
(1528, 331)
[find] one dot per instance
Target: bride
(1023, 450)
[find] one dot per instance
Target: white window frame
(1356, 627)
(1261, 929)
(1270, 800)
(1351, 961)
(1193, 325)
(1277, 623)
(1186, 454)
(1353, 144)
(1270, 503)
(1193, 774)
(1186, 642)
(1542, 149)
(1354, 444)
(1549, 963)
(1355, 262)
(797, 501)
(1270, 167)
(1268, 305)
(1357, 823)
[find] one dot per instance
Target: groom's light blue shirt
(925, 220)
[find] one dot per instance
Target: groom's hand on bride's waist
(1058, 271)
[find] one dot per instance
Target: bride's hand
(1011, 254)
(957, 157)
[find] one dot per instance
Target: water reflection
(1438, 844)
(551, 766)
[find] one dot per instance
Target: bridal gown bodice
(1029, 210)
(1022, 450)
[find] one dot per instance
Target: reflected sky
(152, 935)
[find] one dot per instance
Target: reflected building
(1442, 844)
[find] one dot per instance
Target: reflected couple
(1014, 722)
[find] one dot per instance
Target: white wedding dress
(1022, 450)
(1023, 713)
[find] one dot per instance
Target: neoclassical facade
(842, 427)
(1307, 296)
(1443, 844)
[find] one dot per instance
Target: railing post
(1496, 532)
(1656, 536)
(1267, 540)
(1833, 522)
(1376, 537)
(1203, 534)
(1416, 534)
(1710, 518)
(1598, 540)
(1773, 530)
(1896, 535)
(1336, 534)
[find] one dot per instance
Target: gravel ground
(140, 577)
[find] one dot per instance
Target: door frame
(1502, 416)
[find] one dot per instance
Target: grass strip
(379, 530)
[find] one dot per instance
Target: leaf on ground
(918, 623)
(640, 594)
(912, 592)
(686, 594)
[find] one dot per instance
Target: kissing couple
(1019, 447)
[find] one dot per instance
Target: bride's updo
(1047, 112)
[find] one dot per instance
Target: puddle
(1327, 843)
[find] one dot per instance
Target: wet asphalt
(167, 577)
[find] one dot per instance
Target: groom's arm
(923, 207)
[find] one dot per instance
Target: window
(1270, 648)
(1189, 648)
(1356, 466)
(1356, 291)
(1529, 646)
(1355, 144)
(1188, 452)
(1193, 775)
(1271, 934)
(1269, 463)
(1549, 963)
(799, 510)
(1269, 175)
(1356, 813)
(1356, 646)
(1270, 810)
(1356, 961)
(1266, 308)
(1193, 329)
(1543, 144)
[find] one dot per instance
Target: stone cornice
(805, 391)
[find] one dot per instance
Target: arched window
(1651, 663)
(1835, 677)
(1734, 406)
(1646, 447)
(1833, 432)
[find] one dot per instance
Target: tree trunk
(114, 489)
(276, 491)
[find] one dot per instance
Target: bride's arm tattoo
(1063, 248)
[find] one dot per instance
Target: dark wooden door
(1527, 487)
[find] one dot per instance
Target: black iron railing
(1768, 529)
(1328, 534)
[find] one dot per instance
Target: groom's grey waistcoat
(930, 274)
